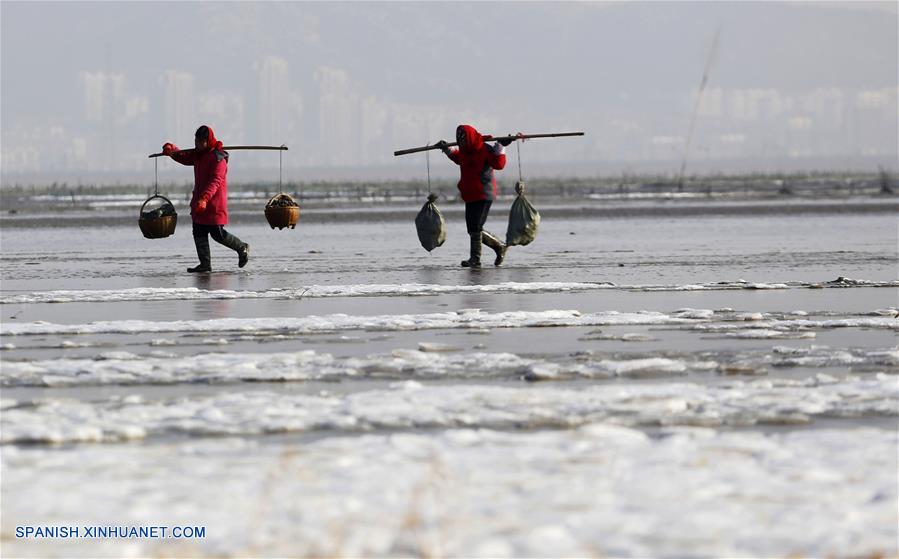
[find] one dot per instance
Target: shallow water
(686, 385)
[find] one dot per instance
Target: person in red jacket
(209, 202)
(477, 186)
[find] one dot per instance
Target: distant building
(274, 100)
(104, 108)
(224, 111)
(179, 105)
(338, 112)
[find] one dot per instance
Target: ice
(651, 367)
(55, 420)
(117, 356)
(694, 313)
(432, 361)
(644, 367)
(705, 425)
(237, 367)
(750, 316)
(162, 342)
(435, 347)
(892, 311)
(762, 334)
(313, 291)
(757, 321)
(598, 490)
(406, 289)
(821, 356)
(466, 319)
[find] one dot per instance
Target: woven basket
(282, 216)
(157, 227)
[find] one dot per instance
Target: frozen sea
(667, 380)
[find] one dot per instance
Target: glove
(168, 148)
(444, 147)
(201, 205)
(505, 141)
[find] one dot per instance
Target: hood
(205, 130)
(473, 139)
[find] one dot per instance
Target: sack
(523, 220)
(431, 225)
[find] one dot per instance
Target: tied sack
(523, 220)
(431, 225)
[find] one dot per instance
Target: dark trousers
(476, 215)
(202, 232)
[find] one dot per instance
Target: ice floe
(386, 290)
(598, 490)
(471, 319)
(466, 318)
(430, 361)
(248, 412)
(273, 367)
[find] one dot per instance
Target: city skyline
(333, 115)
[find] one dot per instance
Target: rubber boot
(497, 245)
(241, 248)
(474, 261)
(243, 255)
(202, 243)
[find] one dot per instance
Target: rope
(280, 160)
(518, 147)
(428, 162)
(156, 178)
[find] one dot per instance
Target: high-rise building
(104, 100)
(373, 129)
(224, 112)
(103, 92)
(274, 100)
(179, 105)
(338, 108)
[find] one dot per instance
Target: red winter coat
(210, 182)
(477, 160)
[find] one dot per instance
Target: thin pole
(490, 138)
(156, 177)
(228, 148)
(705, 78)
(280, 158)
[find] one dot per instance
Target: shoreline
(349, 212)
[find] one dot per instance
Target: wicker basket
(282, 216)
(157, 227)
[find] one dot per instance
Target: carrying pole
(226, 148)
(488, 138)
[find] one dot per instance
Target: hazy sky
(525, 66)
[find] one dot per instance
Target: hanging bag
(523, 220)
(430, 225)
(429, 222)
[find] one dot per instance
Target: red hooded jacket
(477, 160)
(210, 181)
